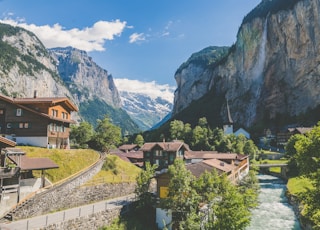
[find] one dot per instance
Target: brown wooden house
(43, 122)
(163, 154)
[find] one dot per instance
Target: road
(85, 210)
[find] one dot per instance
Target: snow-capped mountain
(146, 102)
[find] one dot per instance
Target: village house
(37, 121)
(16, 169)
(283, 137)
(163, 154)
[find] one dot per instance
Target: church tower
(228, 126)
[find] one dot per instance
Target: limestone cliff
(84, 78)
(26, 66)
(273, 68)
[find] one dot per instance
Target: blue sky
(142, 40)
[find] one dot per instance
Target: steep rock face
(26, 66)
(272, 69)
(84, 78)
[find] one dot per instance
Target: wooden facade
(43, 122)
(163, 154)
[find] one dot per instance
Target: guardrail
(121, 203)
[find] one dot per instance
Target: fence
(44, 221)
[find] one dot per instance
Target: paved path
(85, 210)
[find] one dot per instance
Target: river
(273, 212)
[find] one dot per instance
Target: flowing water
(274, 212)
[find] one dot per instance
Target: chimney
(35, 94)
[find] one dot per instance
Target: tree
(139, 140)
(177, 130)
(107, 135)
(143, 184)
(250, 149)
(229, 209)
(182, 198)
(82, 133)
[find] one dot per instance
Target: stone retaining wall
(59, 200)
(55, 197)
(93, 221)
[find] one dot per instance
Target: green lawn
(70, 161)
(297, 185)
(115, 170)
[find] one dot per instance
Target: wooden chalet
(163, 154)
(37, 121)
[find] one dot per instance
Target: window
(54, 112)
(1, 111)
(18, 112)
(24, 125)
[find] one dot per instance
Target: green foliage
(81, 134)
(267, 7)
(206, 57)
(182, 198)
(110, 164)
(92, 110)
(69, 161)
(143, 185)
(139, 140)
(201, 137)
(106, 137)
(304, 152)
(227, 205)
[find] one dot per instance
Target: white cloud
(88, 38)
(135, 37)
(151, 89)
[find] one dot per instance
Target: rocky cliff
(84, 78)
(26, 65)
(272, 69)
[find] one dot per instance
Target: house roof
(128, 147)
(27, 163)
(5, 142)
(199, 168)
(46, 100)
(301, 130)
(213, 155)
(166, 146)
(220, 165)
(208, 165)
(23, 102)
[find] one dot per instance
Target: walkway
(69, 214)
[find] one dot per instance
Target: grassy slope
(121, 171)
(69, 161)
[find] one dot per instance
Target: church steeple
(228, 126)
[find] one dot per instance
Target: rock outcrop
(273, 68)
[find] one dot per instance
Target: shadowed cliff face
(272, 69)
